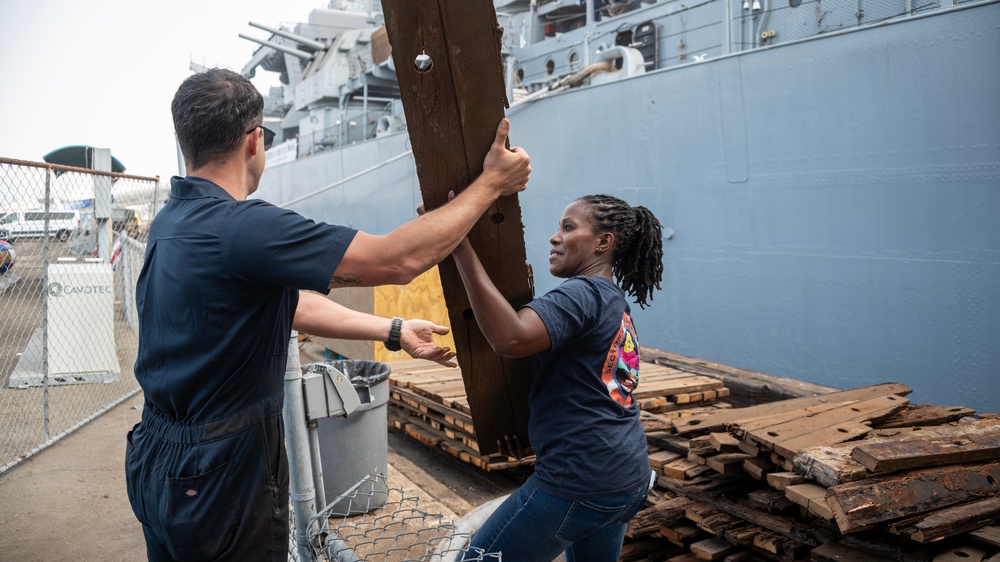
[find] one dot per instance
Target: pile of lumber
(429, 403)
(811, 474)
(855, 475)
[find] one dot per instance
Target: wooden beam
(649, 520)
(786, 526)
(865, 504)
(831, 465)
(925, 414)
(724, 442)
(712, 549)
(452, 111)
(835, 552)
(949, 521)
(834, 425)
(718, 421)
(782, 480)
(885, 457)
(812, 497)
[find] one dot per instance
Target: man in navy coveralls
(225, 280)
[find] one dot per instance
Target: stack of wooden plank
(852, 475)
(429, 403)
(855, 475)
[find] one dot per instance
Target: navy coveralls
(206, 470)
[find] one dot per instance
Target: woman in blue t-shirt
(592, 470)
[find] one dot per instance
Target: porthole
(574, 60)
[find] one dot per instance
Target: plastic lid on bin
(358, 371)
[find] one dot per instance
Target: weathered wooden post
(450, 72)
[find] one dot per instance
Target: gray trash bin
(354, 446)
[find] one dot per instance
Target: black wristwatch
(392, 344)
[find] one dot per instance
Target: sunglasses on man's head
(268, 136)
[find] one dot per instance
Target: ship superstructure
(828, 171)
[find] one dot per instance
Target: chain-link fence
(382, 523)
(71, 243)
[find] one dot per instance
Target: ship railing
(684, 31)
(354, 126)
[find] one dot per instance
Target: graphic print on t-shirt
(621, 368)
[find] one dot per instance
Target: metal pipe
(342, 126)
(338, 550)
(317, 466)
(531, 21)
(101, 160)
(509, 79)
(590, 13)
(291, 51)
(301, 489)
(727, 45)
(45, 307)
(303, 41)
(364, 103)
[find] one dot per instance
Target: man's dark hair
(637, 263)
(212, 112)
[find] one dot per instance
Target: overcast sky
(103, 73)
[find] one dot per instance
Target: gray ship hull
(834, 201)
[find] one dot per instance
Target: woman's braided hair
(637, 263)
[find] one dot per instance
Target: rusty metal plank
(452, 111)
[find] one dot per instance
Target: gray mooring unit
(347, 399)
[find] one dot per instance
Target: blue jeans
(534, 526)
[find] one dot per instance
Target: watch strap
(395, 331)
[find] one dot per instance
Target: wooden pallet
(429, 403)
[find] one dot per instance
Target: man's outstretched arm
(416, 246)
(319, 316)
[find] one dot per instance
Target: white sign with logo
(81, 324)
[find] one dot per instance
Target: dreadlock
(637, 263)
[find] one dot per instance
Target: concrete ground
(68, 502)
